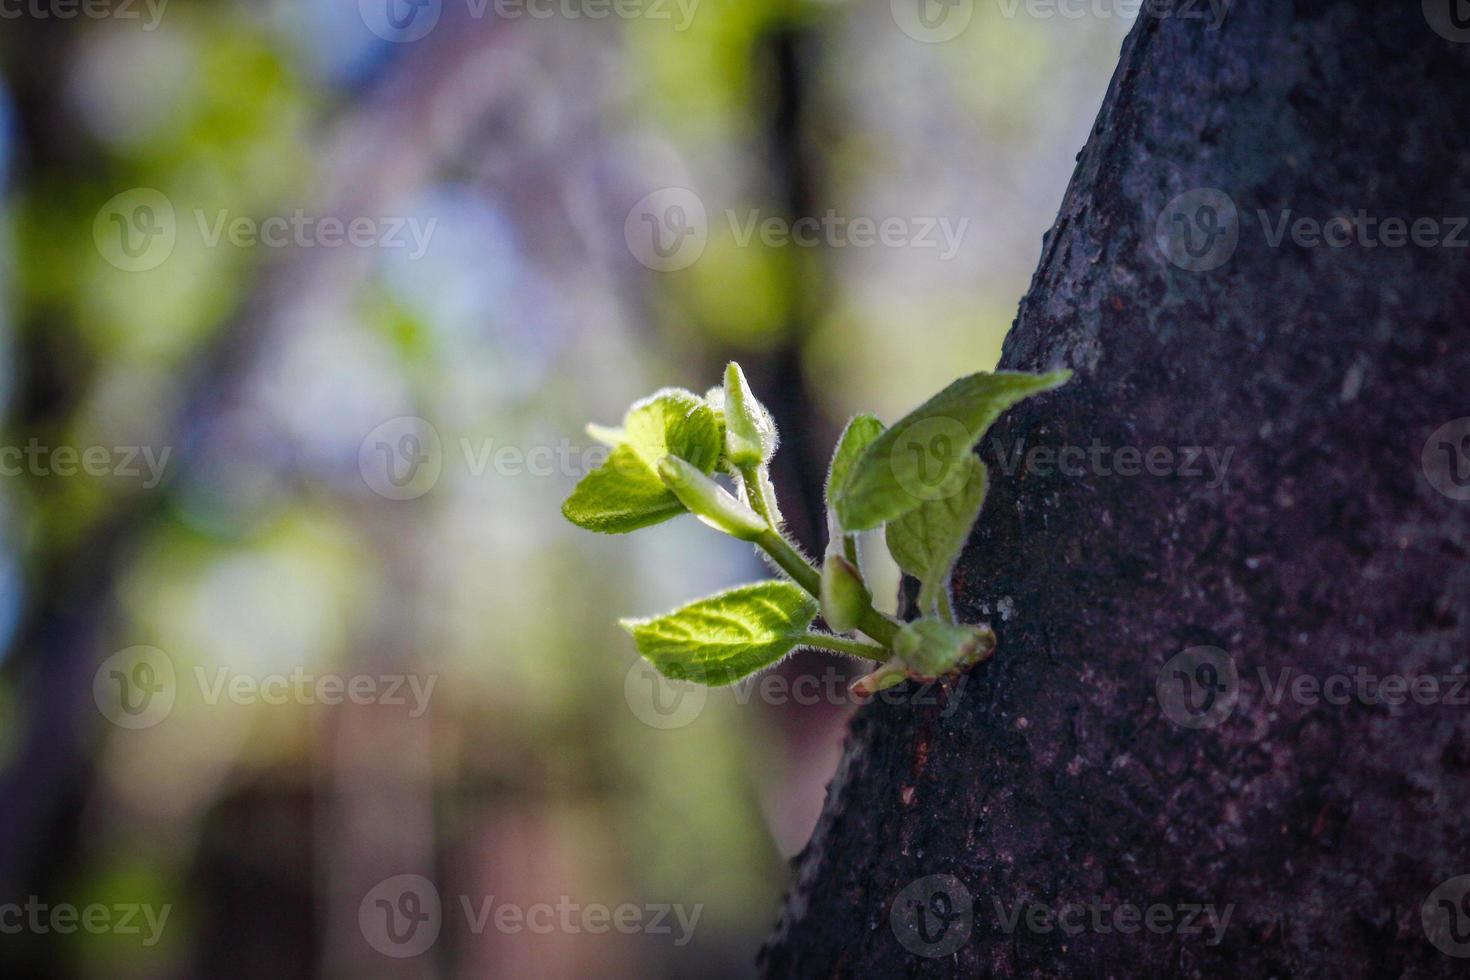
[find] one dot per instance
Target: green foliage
(626, 492)
(921, 458)
(718, 640)
(920, 477)
(860, 432)
(926, 542)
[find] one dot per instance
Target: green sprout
(919, 480)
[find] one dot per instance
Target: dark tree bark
(1055, 775)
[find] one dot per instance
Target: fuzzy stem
(871, 622)
(841, 644)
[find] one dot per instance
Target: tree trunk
(1075, 768)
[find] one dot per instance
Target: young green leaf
(926, 542)
(922, 457)
(622, 495)
(722, 638)
(674, 422)
(625, 492)
(932, 647)
(860, 432)
(750, 432)
(709, 501)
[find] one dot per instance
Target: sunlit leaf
(622, 495)
(860, 432)
(926, 542)
(725, 637)
(626, 493)
(922, 457)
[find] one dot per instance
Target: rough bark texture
(1054, 776)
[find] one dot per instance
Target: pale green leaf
(922, 457)
(626, 493)
(860, 432)
(674, 422)
(622, 495)
(725, 637)
(926, 542)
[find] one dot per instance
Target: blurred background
(303, 308)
